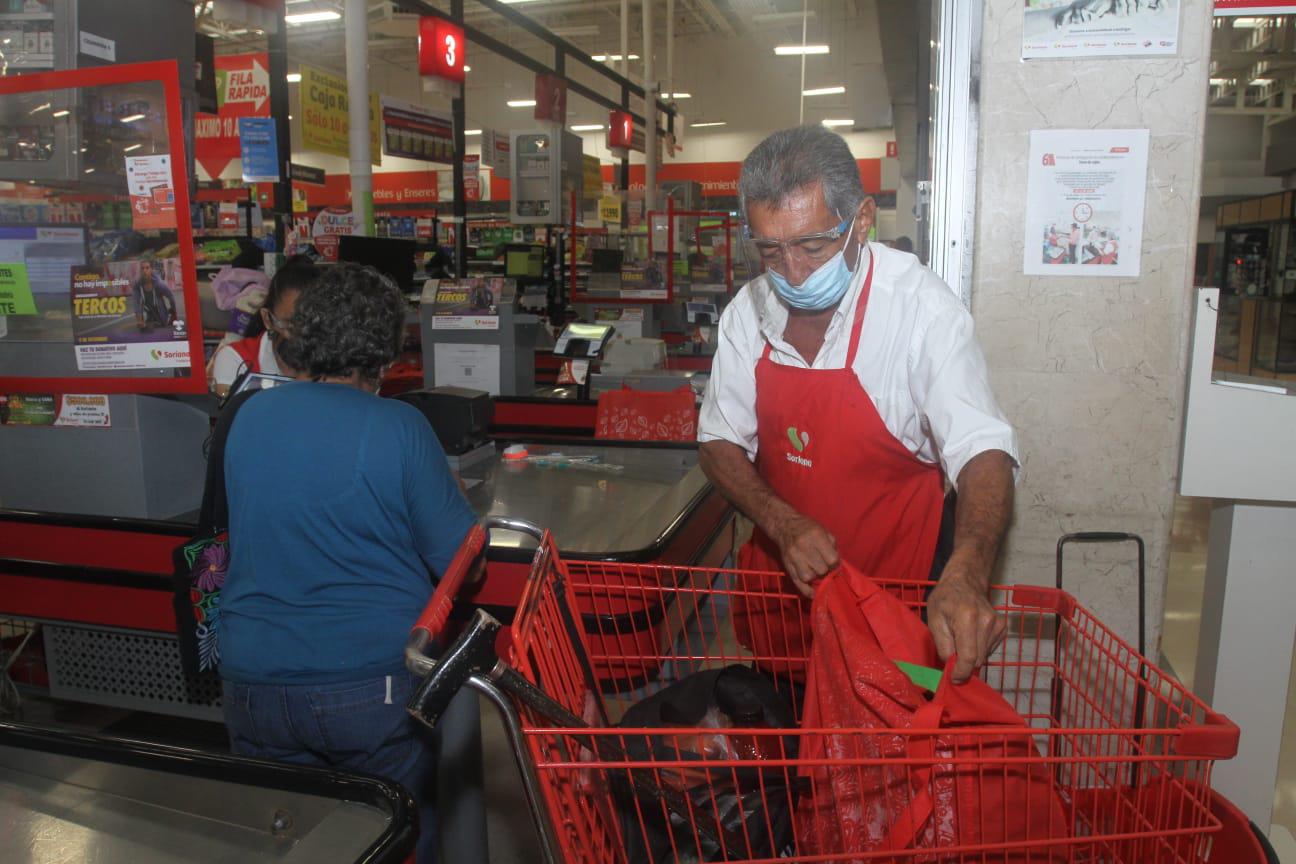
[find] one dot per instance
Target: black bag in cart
(751, 805)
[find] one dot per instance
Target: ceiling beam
(533, 27)
(718, 19)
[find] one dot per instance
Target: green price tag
(15, 290)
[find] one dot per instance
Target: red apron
(824, 450)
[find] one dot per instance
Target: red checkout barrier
(88, 570)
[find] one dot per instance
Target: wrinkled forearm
(985, 498)
(729, 470)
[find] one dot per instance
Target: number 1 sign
(441, 49)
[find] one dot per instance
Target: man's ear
(865, 219)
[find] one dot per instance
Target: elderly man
(847, 387)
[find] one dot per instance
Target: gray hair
(792, 159)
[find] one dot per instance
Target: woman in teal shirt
(343, 515)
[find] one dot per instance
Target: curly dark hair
(350, 321)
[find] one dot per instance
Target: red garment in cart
(646, 415)
(853, 685)
(825, 450)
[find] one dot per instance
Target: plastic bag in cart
(858, 631)
(753, 805)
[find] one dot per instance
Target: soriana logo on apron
(799, 441)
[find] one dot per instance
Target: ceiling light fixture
(293, 77)
(39, 108)
(521, 103)
(681, 95)
(472, 132)
(779, 17)
(1247, 23)
(1219, 82)
(1261, 82)
(312, 17)
(705, 125)
(832, 123)
(615, 58)
(62, 113)
(824, 91)
(579, 30)
(132, 118)
(798, 50)
(132, 148)
(467, 68)
(89, 171)
(590, 127)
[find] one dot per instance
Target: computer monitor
(583, 341)
(606, 260)
(524, 261)
(391, 257)
(701, 313)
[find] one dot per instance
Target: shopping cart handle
(434, 615)
(1098, 537)
(473, 653)
(521, 526)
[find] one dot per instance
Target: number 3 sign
(441, 49)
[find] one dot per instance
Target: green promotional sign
(28, 410)
(15, 290)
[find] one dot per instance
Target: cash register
(460, 417)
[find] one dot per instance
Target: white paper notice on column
(474, 366)
(1084, 202)
(1100, 28)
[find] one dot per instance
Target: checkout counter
(101, 584)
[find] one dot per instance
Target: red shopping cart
(1130, 792)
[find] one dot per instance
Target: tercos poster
(129, 315)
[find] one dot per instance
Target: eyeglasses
(814, 248)
(277, 324)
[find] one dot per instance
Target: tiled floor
(1183, 604)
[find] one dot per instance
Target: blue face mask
(822, 288)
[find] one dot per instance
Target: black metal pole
(460, 203)
(279, 108)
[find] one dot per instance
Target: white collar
(266, 356)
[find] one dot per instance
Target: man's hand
(807, 549)
(959, 612)
(963, 622)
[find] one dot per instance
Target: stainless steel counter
(624, 502)
(58, 807)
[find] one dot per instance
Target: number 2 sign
(441, 49)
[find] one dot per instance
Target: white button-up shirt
(918, 360)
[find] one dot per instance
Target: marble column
(1090, 370)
